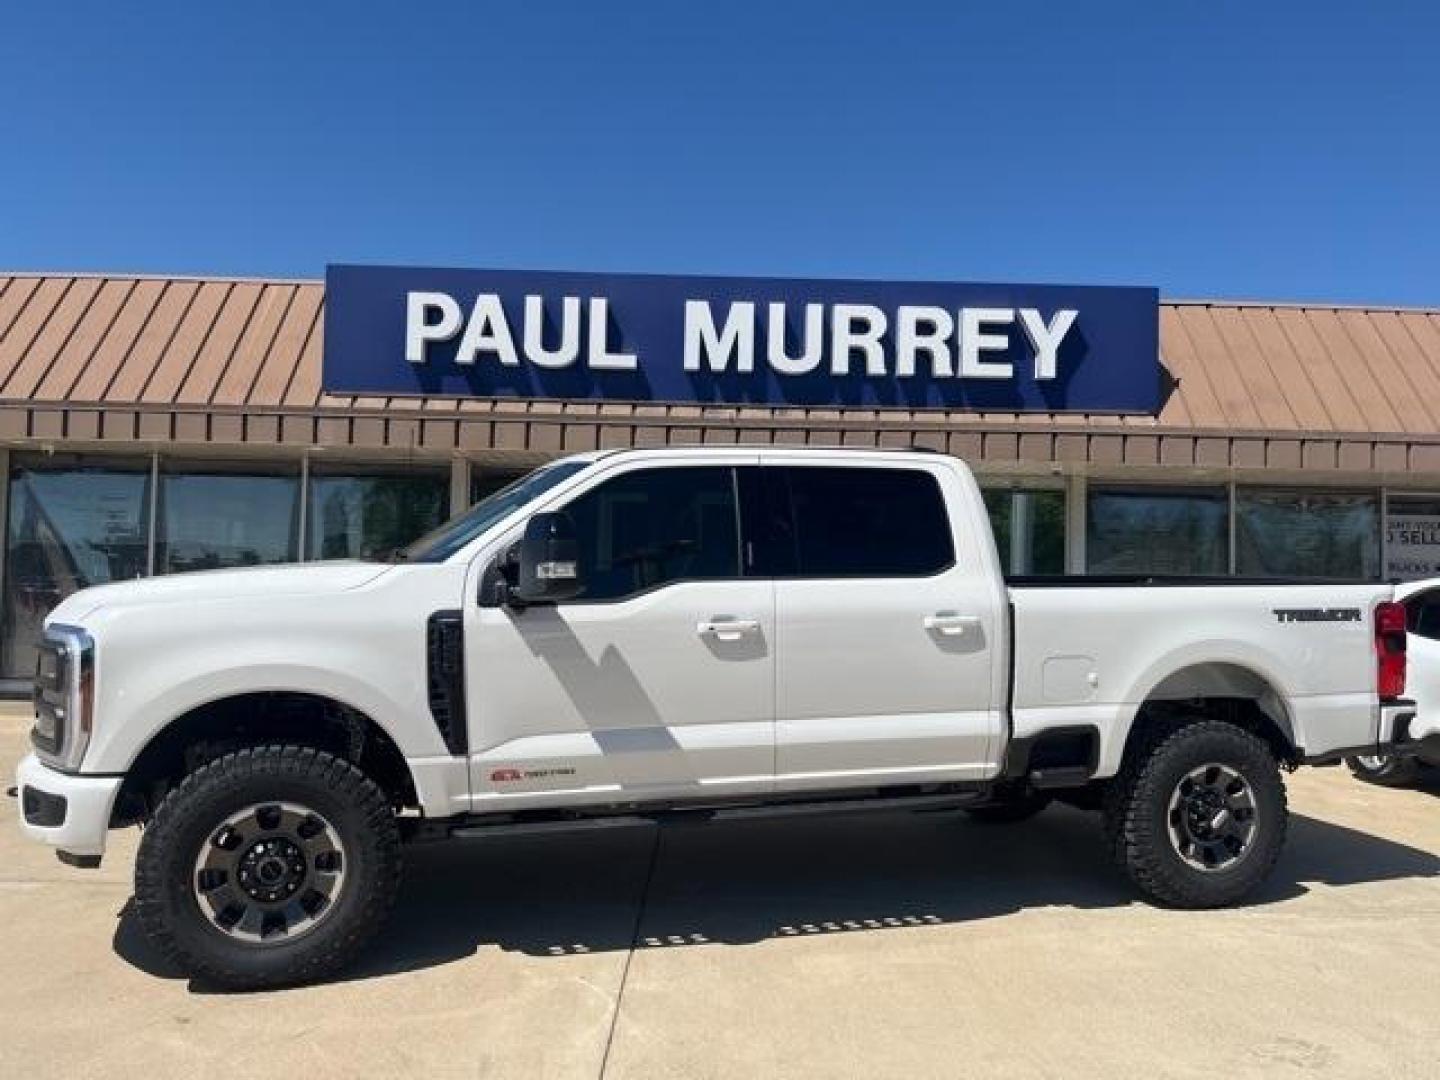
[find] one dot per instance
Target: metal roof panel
(256, 344)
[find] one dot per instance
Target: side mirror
(548, 568)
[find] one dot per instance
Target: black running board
(479, 828)
(1068, 776)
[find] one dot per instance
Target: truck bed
(1091, 650)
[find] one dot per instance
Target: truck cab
(737, 629)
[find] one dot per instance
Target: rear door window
(845, 522)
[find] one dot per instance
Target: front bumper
(69, 813)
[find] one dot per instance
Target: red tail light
(1390, 649)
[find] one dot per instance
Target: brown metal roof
(209, 360)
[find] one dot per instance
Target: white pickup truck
(645, 635)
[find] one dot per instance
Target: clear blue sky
(1276, 150)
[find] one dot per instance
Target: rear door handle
(727, 627)
(951, 623)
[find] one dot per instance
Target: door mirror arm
(497, 583)
(542, 568)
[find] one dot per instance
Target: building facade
(156, 425)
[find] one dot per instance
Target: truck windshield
(439, 544)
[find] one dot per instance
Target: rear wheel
(268, 866)
(1198, 817)
(1387, 770)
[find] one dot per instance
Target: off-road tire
(1137, 807)
(187, 818)
(1394, 771)
(1009, 811)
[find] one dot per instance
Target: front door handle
(951, 623)
(727, 627)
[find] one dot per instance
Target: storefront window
(368, 517)
(998, 506)
(70, 526)
(1412, 537)
(1029, 529)
(215, 517)
(1307, 534)
(1157, 531)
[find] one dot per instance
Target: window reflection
(369, 517)
(1158, 531)
(485, 482)
(649, 527)
(1029, 528)
(210, 520)
(1307, 534)
(69, 528)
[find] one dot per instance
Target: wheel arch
(1240, 692)
(216, 726)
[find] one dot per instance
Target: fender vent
(445, 676)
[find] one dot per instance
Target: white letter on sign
(601, 358)
(419, 331)
(845, 335)
(910, 339)
(974, 341)
(489, 331)
(1046, 339)
(700, 334)
(569, 348)
(811, 349)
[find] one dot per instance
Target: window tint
(71, 526)
(449, 538)
(1422, 614)
(370, 516)
(215, 517)
(1307, 534)
(855, 522)
(1157, 531)
(1029, 528)
(651, 527)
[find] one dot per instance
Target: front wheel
(267, 867)
(1197, 818)
(1387, 770)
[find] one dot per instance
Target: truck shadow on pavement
(743, 883)
(1429, 781)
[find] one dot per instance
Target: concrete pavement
(914, 945)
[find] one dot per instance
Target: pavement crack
(630, 953)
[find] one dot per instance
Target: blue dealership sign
(742, 341)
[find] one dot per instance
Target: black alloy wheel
(1212, 818)
(271, 870)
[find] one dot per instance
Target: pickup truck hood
(308, 579)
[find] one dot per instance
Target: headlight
(64, 696)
